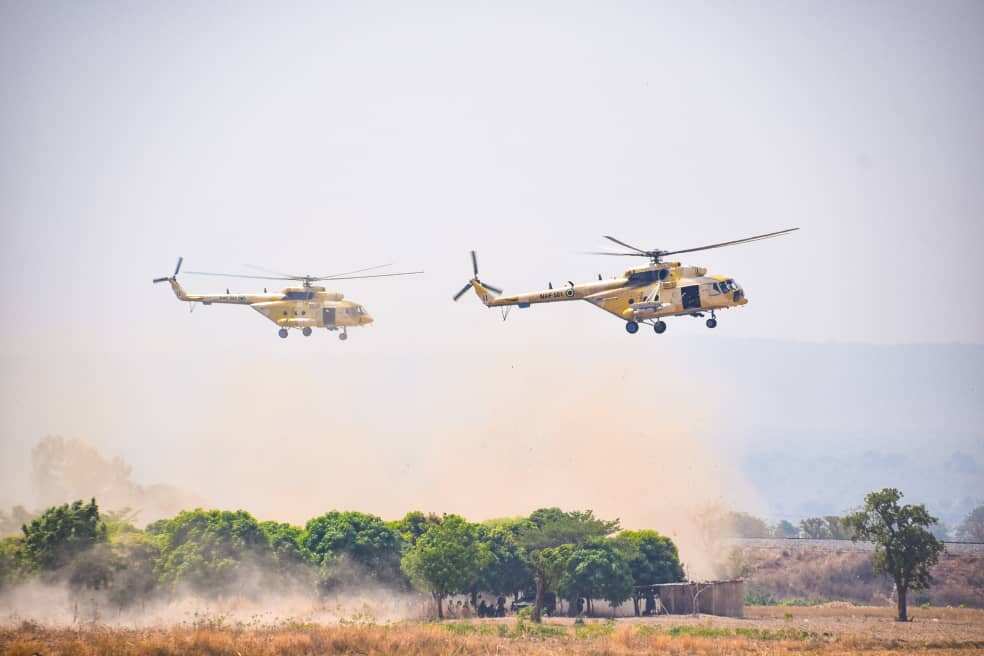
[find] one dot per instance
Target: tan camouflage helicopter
(645, 294)
(306, 307)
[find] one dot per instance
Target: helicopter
(306, 307)
(641, 295)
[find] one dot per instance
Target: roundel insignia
(570, 292)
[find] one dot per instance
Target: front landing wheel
(712, 323)
(659, 327)
(306, 331)
(632, 327)
(343, 336)
(283, 333)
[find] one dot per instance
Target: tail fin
(484, 292)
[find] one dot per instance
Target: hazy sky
(323, 137)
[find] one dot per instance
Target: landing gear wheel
(632, 327)
(712, 322)
(343, 336)
(306, 331)
(659, 327)
(283, 333)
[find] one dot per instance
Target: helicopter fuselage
(641, 294)
(294, 307)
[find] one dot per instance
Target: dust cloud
(497, 433)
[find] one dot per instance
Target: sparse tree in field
(652, 558)
(550, 528)
(446, 559)
(784, 529)
(14, 563)
(972, 528)
(904, 547)
(837, 528)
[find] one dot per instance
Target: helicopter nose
(367, 318)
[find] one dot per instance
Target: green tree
(211, 551)
(292, 559)
(597, 569)
(550, 528)
(904, 547)
(784, 529)
(413, 525)
(134, 559)
(971, 529)
(352, 547)
(506, 569)
(446, 559)
(15, 565)
(837, 528)
(652, 558)
(62, 533)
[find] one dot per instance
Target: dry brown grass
(819, 630)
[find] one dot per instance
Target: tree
(11, 524)
(291, 558)
(904, 547)
(413, 525)
(506, 569)
(353, 546)
(211, 551)
(972, 528)
(446, 559)
(815, 528)
(784, 529)
(652, 559)
(743, 525)
(14, 564)
(550, 528)
(597, 569)
(62, 533)
(837, 528)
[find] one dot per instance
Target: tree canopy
(62, 533)
(446, 559)
(905, 549)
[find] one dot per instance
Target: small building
(725, 598)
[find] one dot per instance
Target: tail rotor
(474, 280)
(172, 276)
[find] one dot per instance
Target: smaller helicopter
(306, 307)
(644, 294)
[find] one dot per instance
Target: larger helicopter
(306, 307)
(641, 295)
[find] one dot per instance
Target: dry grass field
(833, 629)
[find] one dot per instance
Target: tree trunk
(474, 598)
(635, 605)
(903, 609)
(538, 605)
(440, 611)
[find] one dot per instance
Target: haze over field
(315, 139)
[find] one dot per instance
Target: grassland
(837, 629)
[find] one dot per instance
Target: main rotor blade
(157, 280)
(378, 275)
(238, 275)
(607, 253)
(462, 292)
(276, 273)
(178, 268)
(490, 287)
(474, 263)
(622, 243)
(348, 273)
(730, 243)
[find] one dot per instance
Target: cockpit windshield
(295, 295)
(726, 286)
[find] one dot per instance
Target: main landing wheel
(306, 331)
(632, 327)
(343, 336)
(712, 323)
(659, 327)
(283, 333)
